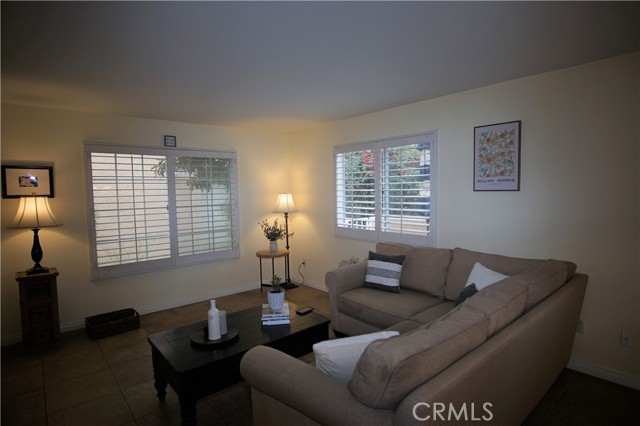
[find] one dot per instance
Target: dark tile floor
(110, 381)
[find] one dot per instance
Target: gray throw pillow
(383, 272)
(466, 293)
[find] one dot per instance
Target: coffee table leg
(161, 386)
(188, 411)
(159, 382)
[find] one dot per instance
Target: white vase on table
(276, 300)
(213, 322)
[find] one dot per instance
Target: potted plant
(273, 233)
(276, 293)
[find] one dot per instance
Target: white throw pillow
(483, 277)
(338, 357)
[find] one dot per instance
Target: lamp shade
(284, 204)
(34, 212)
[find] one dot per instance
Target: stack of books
(277, 317)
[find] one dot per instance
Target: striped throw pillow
(383, 272)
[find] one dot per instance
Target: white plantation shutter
(204, 214)
(154, 208)
(355, 193)
(405, 175)
(130, 209)
(385, 190)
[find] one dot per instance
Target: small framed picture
(496, 157)
(20, 181)
(170, 141)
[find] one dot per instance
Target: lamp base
(37, 270)
(36, 255)
(290, 285)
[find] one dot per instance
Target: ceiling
(286, 66)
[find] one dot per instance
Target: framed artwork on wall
(170, 141)
(496, 157)
(20, 181)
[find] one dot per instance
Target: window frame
(174, 260)
(377, 235)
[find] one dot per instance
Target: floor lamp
(285, 205)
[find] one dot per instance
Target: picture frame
(20, 181)
(170, 141)
(496, 157)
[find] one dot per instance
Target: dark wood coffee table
(194, 373)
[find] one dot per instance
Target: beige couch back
(424, 268)
(443, 272)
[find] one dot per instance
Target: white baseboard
(317, 286)
(142, 310)
(605, 374)
(182, 302)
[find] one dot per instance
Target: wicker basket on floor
(104, 325)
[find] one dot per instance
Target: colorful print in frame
(496, 157)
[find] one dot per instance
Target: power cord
(300, 272)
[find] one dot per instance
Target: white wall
(578, 199)
(36, 134)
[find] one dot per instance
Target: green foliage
(273, 232)
(276, 284)
(201, 173)
(402, 176)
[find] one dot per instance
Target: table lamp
(35, 213)
(284, 204)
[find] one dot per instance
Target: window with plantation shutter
(385, 190)
(156, 208)
(205, 192)
(131, 219)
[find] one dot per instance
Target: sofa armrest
(306, 389)
(340, 280)
(346, 278)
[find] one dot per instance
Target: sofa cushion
(350, 326)
(502, 303)
(383, 309)
(433, 313)
(425, 270)
(338, 357)
(404, 326)
(463, 260)
(389, 370)
(483, 277)
(383, 272)
(544, 279)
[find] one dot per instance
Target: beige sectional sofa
(487, 360)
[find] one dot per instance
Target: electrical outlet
(580, 327)
(626, 338)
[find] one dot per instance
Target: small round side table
(268, 254)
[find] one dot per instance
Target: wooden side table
(268, 254)
(39, 307)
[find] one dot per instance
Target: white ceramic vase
(273, 245)
(213, 322)
(276, 300)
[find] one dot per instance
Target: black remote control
(304, 311)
